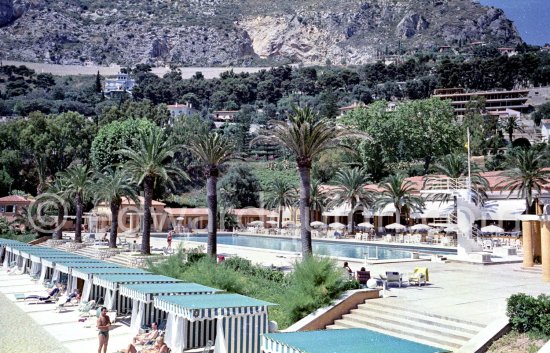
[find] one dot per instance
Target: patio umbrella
(492, 229)
(256, 223)
(421, 227)
(396, 226)
(365, 225)
(180, 219)
(337, 225)
(317, 224)
(272, 222)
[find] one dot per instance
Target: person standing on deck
(103, 325)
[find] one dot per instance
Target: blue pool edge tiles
(354, 340)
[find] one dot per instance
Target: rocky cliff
(215, 32)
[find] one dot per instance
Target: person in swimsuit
(103, 325)
(169, 239)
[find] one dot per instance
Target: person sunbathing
(159, 347)
(51, 294)
(149, 336)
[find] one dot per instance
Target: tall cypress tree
(98, 87)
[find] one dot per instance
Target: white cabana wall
(145, 293)
(111, 283)
(94, 292)
(194, 319)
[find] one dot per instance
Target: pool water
(336, 249)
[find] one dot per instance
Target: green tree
(98, 87)
(59, 190)
(399, 192)
(317, 199)
(542, 112)
(135, 110)
(244, 186)
(279, 195)
(350, 190)
(307, 136)
(526, 173)
(510, 125)
(212, 150)
(113, 137)
(77, 181)
(150, 163)
(111, 187)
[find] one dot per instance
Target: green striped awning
(112, 281)
(66, 267)
(88, 273)
(355, 340)
(145, 292)
(206, 307)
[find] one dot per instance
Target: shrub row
(529, 314)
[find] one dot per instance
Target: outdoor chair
(393, 277)
(362, 277)
(419, 275)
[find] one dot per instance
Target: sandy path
(19, 333)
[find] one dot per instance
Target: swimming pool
(330, 248)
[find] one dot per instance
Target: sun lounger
(392, 277)
(419, 276)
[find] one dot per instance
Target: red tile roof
(14, 198)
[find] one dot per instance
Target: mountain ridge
(240, 32)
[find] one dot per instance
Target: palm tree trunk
(280, 216)
(115, 207)
(59, 231)
(148, 199)
(305, 191)
(212, 204)
(350, 216)
(78, 230)
(397, 215)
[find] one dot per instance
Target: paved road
(66, 70)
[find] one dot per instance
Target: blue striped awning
(51, 261)
(146, 292)
(207, 307)
(112, 281)
(354, 340)
(66, 267)
(89, 272)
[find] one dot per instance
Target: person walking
(103, 325)
(169, 239)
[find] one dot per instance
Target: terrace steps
(384, 316)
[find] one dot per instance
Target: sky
(531, 18)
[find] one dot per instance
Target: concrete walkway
(37, 327)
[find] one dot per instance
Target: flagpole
(469, 165)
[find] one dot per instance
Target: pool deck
(457, 290)
(465, 291)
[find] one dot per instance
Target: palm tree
(306, 135)
(111, 186)
(317, 198)
(398, 191)
(77, 181)
(58, 190)
(511, 124)
(212, 150)
(151, 162)
(526, 173)
(280, 194)
(455, 166)
(350, 189)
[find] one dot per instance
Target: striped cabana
(94, 292)
(3, 244)
(143, 310)
(67, 268)
(49, 262)
(356, 340)
(234, 321)
(34, 254)
(13, 254)
(111, 283)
